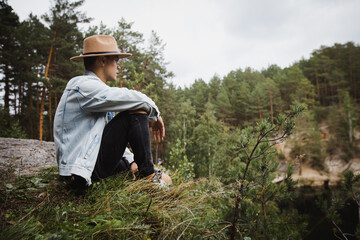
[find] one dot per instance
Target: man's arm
(96, 96)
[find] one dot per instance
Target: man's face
(111, 68)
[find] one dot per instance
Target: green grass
(40, 207)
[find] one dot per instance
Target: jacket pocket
(92, 146)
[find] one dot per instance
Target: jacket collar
(92, 74)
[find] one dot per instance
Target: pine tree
(206, 137)
(63, 19)
(184, 124)
(225, 111)
(255, 192)
(9, 21)
(33, 40)
(131, 72)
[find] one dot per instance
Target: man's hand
(158, 130)
(134, 169)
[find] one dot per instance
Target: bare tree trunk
(337, 90)
(143, 70)
(326, 86)
(41, 117)
(350, 127)
(31, 107)
(317, 87)
(263, 200)
(351, 75)
(56, 101)
(15, 104)
(7, 89)
(37, 99)
(121, 70)
(300, 163)
(20, 99)
(259, 110)
(236, 213)
(184, 131)
(50, 118)
(210, 162)
(332, 92)
(271, 108)
(326, 94)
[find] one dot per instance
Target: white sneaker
(158, 179)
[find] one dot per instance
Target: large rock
(337, 165)
(26, 156)
(334, 168)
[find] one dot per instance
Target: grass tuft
(40, 207)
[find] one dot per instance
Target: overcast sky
(207, 37)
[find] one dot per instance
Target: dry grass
(115, 208)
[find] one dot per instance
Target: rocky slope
(25, 156)
(334, 165)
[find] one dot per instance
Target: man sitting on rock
(90, 142)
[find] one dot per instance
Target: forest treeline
(200, 119)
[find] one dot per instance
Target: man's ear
(101, 61)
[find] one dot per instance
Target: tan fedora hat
(100, 45)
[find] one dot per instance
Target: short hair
(89, 62)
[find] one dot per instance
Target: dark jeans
(122, 130)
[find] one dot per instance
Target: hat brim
(81, 57)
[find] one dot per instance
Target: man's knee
(140, 111)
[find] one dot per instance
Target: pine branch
(337, 227)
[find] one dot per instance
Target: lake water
(319, 225)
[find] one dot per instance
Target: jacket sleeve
(96, 96)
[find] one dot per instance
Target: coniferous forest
(221, 133)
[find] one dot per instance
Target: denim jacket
(80, 119)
